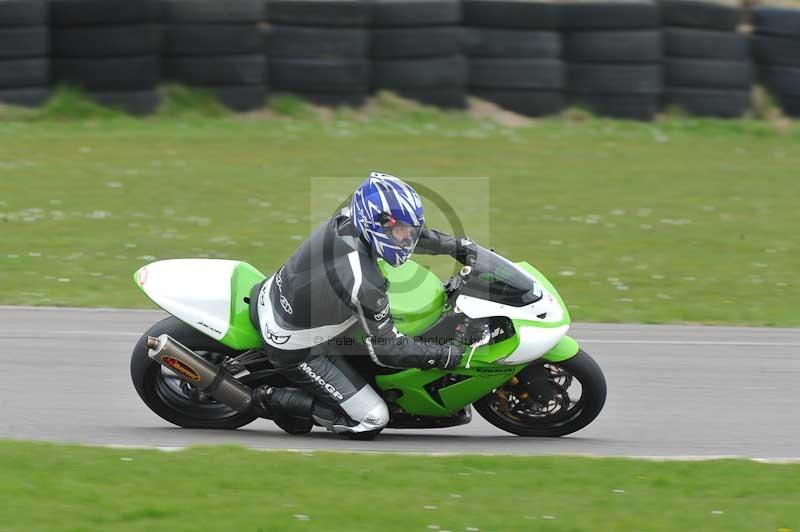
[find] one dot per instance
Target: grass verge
(52, 487)
(681, 220)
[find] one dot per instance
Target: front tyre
(174, 399)
(550, 399)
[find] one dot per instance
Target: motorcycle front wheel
(176, 400)
(547, 399)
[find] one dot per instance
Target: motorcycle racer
(333, 283)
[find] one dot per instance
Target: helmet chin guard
(388, 214)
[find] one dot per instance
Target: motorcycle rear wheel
(540, 402)
(173, 399)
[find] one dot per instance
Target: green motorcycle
(521, 371)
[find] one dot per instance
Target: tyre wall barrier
(24, 52)
(624, 58)
(319, 49)
(109, 48)
(614, 52)
(776, 46)
(515, 55)
(707, 64)
(216, 45)
(415, 48)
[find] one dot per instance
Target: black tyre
(213, 39)
(347, 13)
(524, 101)
(700, 14)
(546, 74)
(171, 398)
(543, 403)
(29, 97)
(138, 103)
(15, 13)
(30, 41)
(791, 105)
(500, 43)
(777, 20)
(637, 15)
(127, 73)
(298, 42)
(783, 80)
(319, 75)
(68, 13)
(706, 44)
(632, 46)
(241, 98)
(216, 70)
(777, 50)
(409, 13)
(420, 73)
(709, 102)
(614, 79)
(708, 73)
(212, 11)
(519, 14)
(106, 41)
(436, 41)
(22, 73)
(626, 106)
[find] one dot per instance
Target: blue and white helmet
(388, 214)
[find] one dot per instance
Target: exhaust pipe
(192, 368)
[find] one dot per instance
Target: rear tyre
(173, 399)
(542, 402)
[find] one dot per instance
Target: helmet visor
(402, 234)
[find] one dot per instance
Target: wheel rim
(545, 396)
(182, 397)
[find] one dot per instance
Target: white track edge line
(652, 458)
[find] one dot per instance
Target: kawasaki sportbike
(521, 371)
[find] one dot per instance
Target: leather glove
(464, 250)
(450, 360)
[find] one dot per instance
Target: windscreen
(498, 279)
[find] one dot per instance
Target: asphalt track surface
(673, 391)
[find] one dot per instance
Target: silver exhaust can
(200, 373)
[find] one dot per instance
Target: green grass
(50, 487)
(681, 220)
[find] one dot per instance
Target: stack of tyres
(317, 49)
(777, 51)
(109, 48)
(514, 49)
(216, 45)
(613, 51)
(24, 61)
(416, 50)
(707, 67)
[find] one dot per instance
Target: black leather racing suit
(331, 283)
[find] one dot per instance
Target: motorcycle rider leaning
(331, 283)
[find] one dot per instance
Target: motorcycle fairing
(493, 364)
(416, 296)
(208, 294)
(483, 376)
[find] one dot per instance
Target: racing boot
(289, 408)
